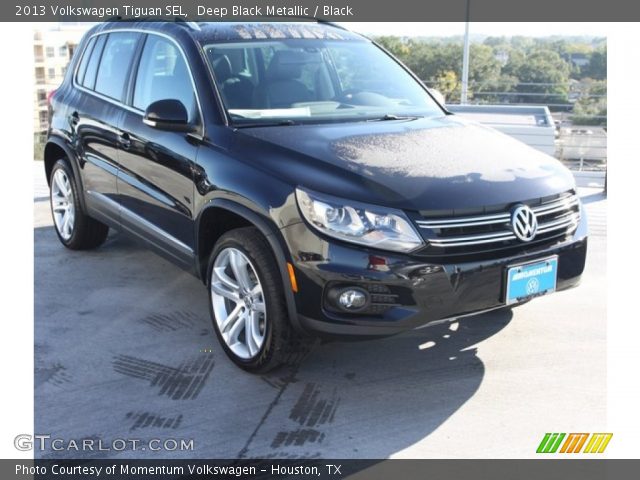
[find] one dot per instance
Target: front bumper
(414, 292)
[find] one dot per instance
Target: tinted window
(82, 68)
(309, 80)
(163, 75)
(89, 79)
(114, 64)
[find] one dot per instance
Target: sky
(444, 29)
(448, 29)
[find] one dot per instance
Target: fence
(581, 137)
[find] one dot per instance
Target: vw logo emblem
(524, 223)
(533, 285)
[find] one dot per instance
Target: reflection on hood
(444, 152)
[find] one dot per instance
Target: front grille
(557, 216)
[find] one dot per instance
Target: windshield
(307, 81)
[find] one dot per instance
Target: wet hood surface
(423, 164)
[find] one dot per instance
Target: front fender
(274, 238)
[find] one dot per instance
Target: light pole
(465, 59)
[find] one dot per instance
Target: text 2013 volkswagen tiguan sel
(307, 177)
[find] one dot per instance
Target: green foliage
(448, 84)
(395, 45)
(504, 69)
(597, 67)
(546, 69)
(591, 106)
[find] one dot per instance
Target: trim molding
(161, 236)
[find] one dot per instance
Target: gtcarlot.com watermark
(26, 442)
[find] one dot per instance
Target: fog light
(352, 299)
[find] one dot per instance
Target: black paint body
(163, 186)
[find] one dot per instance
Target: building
(502, 56)
(53, 48)
(578, 59)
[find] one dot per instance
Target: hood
(423, 164)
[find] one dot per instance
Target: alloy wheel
(62, 204)
(238, 303)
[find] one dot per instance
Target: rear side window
(82, 68)
(163, 75)
(88, 78)
(115, 63)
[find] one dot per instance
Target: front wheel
(247, 302)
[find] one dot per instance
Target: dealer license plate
(531, 280)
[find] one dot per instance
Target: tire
(258, 303)
(78, 231)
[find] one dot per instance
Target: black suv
(307, 177)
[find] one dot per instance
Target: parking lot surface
(124, 349)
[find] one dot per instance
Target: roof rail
(196, 27)
(177, 20)
(309, 18)
(332, 24)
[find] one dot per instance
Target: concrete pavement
(124, 349)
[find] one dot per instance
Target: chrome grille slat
(555, 207)
(564, 223)
(471, 239)
(462, 243)
(445, 232)
(465, 222)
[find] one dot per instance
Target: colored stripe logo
(598, 442)
(574, 443)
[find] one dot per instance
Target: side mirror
(168, 115)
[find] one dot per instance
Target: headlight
(354, 222)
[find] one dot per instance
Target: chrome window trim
(218, 94)
(130, 108)
(81, 59)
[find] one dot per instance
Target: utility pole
(465, 59)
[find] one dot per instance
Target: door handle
(125, 141)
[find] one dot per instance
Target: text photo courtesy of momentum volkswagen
(307, 177)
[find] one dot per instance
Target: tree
(591, 107)
(597, 68)
(506, 70)
(448, 84)
(394, 45)
(434, 62)
(543, 78)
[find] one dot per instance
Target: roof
(219, 32)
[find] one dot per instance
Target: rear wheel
(75, 229)
(247, 302)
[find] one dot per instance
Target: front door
(155, 181)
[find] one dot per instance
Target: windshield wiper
(390, 116)
(279, 123)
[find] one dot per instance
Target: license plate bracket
(532, 279)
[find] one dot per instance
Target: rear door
(155, 181)
(98, 111)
